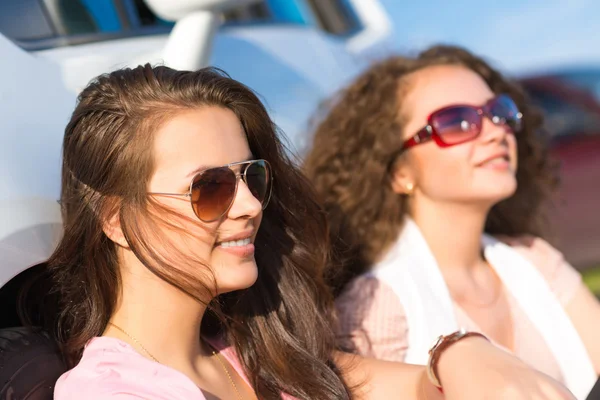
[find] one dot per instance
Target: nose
(245, 205)
(491, 132)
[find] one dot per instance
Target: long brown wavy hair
(281, 326)
(358, 139)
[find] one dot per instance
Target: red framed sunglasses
(213, 190)
(461, 123)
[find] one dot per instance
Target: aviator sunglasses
(461, 123)
(213, 190)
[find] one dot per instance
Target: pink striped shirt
(378, 327)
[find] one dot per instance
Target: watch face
(453, 337)
(439, 340)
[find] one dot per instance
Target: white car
(292, 52)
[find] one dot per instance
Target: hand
(473, 368)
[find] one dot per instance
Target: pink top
(112, 369)
(380, 329)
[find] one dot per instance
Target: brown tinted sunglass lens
(213, 192)
(258, 179)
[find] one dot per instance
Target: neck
(452, 231)
(165, 321)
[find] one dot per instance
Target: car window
(79, 17)
(24, 20)
(585, 80)
(31, 20)
(563, 117)
(41, 24)
(335, 16)
(258, 12)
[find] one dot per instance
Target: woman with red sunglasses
(435, 180)
(167, 287)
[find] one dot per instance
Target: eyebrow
(205, 167)
(199, 169)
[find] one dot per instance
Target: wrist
(444, 350)
(467, 347)
(427, 391)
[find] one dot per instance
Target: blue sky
(517, 36)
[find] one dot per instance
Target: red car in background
(571, 103)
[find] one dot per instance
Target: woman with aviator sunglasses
(169, 290)
(435, 183)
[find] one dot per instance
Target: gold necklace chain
(134, 339)
(214, 353)
(219, 358)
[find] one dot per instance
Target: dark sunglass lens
(213, 192)
(258, 179)
(457, 124)
(503, 110)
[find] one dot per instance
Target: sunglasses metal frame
(428, 132)
(238, 176)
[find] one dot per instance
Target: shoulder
(368, 291)
(367, 303)
(371, 320)
(111, 369)
(562, 278)
(546, 258)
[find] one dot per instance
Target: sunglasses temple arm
(170, 194)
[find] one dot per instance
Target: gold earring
(409, 188)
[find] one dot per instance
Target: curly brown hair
(355, 143)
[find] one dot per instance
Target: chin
(499, 193)
(497, 188)
(237, 277)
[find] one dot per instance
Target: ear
(112, 228)
(402, 178)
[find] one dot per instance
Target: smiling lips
(236, 243)
(499, 161)
(240, 245)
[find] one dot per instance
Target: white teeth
(234, 243)
(496, 160)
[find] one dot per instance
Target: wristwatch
(442, 343)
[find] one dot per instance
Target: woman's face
(478, 171)
(196, 140)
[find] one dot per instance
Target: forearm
(377, 379)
